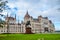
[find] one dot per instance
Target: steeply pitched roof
(45, 17)
(27, 15)
(35, 20)
(50, 21)
(10, 18)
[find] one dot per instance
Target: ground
(29, 36)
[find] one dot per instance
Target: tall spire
(27, 15)
(18, 19)
(15, 16)
(27, 12)
(7, 14)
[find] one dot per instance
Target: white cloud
(36, 7)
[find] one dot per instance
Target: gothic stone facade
(29, 25)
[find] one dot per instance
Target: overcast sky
(49, 8)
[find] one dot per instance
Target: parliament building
(29, 25)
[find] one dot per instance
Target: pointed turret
(27, 15)
(15, 16)
(7, 14)
(6, 17)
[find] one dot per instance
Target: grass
(29, 36)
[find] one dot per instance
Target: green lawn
(29, 36)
